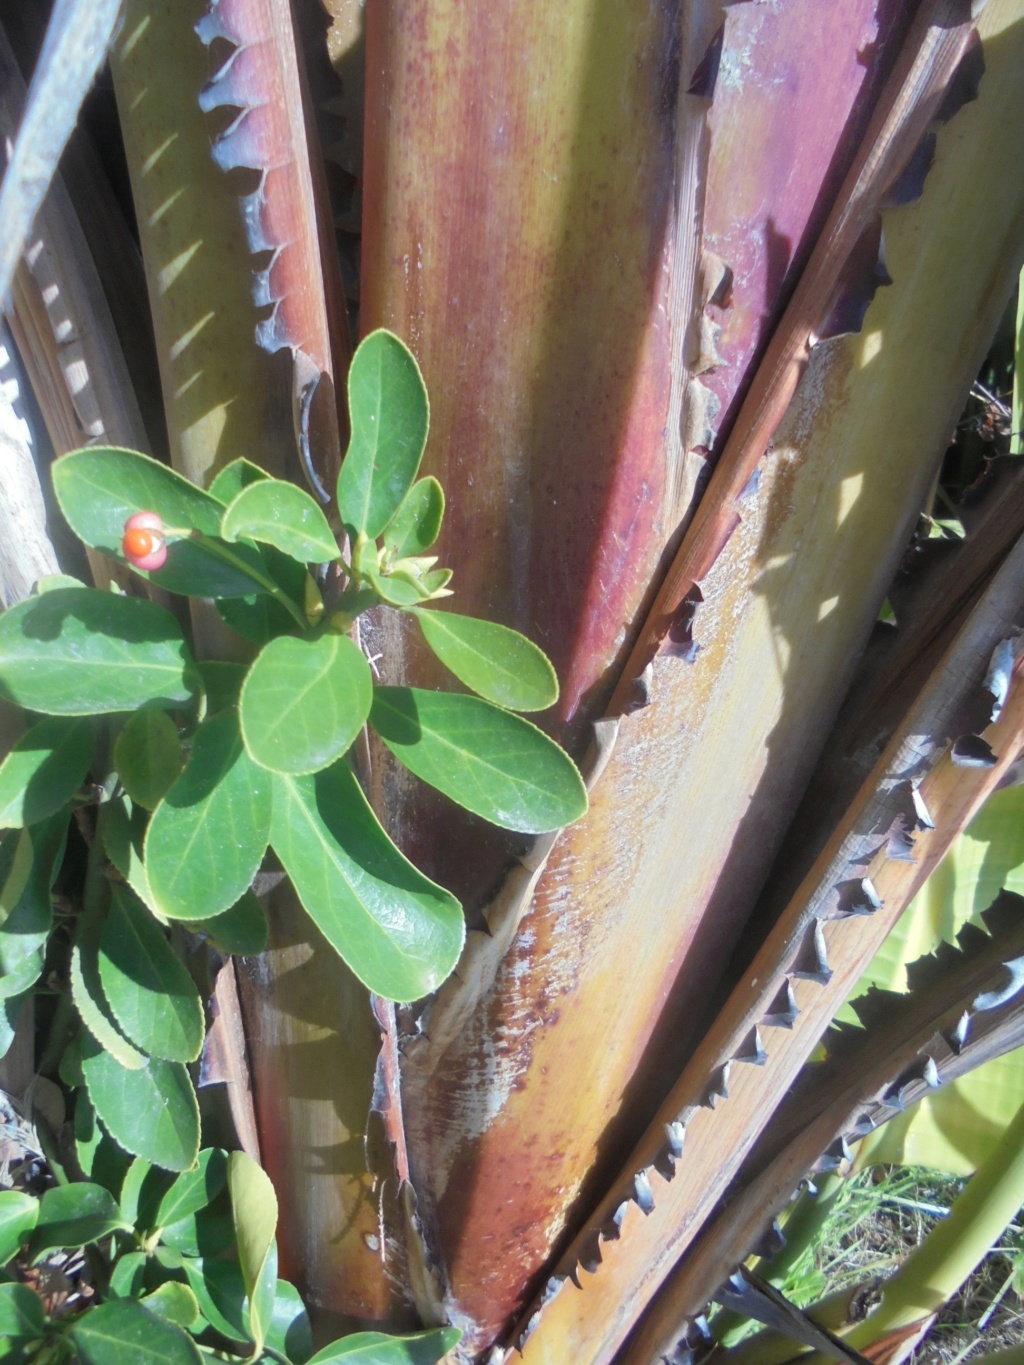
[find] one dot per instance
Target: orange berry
(139, 542)
(144, 545)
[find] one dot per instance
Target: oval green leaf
(389, 417)
(124, 831)
(260, 617)
(290, 1332)
(141, 1191)
(195, 1189)
(101, 1159)
(70, 1068)
(150, 992)
(435, 582)
(401, 590)
(159, 1090)
(500, 664)
(304, 702)
(240, 931)
(23, 978)
(15, 869)
(210, 568)
(128, 1277)
(222, 683)
(173, 1302)
(44, 770)
(282, 515)
(207, 1232)
(125, 1333)
(374, 1348)
(29, 862)
(89, 1000)
(207, 837)
(10, 1013)
(254, 1209)
(399, 932)
(100, 488)
(18, 1215)
(256, 619)
(417, 523)
(493, 763)
(73, 1216)
(22, 1318)
(220, 1290)
(50, 581)
(147, 756)
(81, 652)
(234, 477)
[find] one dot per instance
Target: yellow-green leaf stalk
(935, 1270)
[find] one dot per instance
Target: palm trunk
(635, 248)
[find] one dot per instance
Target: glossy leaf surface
(18, 1214)
(127, 1279)
(15, 868)
(282, 515)
(141, 1191)
(147, 756)
(240, 930)
(194, 1190)
(398, 589)
(400, 933)
(374, 1348)
(256, 618)
(29, 860)
(100, 488)
(79, 652)
(124, 829)
(10, 1013)
(43, 770)
(290, 1331)
(207, 1232)
(101, 1159)
(260, 617)
(161, 1090)
(304, 702)
(230, 480)
(149, 990)
(417, 523)
(125, 1333)
(254, 1207)
(23, 978)
(389, 416)
(91, 1002)
(493, 763)
(174, 1303)
(211, 568)
(207, 837)
(500, 664)
(73, 1216)
(21, 1316)
(222, 682)
(220, 1290)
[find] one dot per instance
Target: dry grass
(881, 1216)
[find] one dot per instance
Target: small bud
(144, 544)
